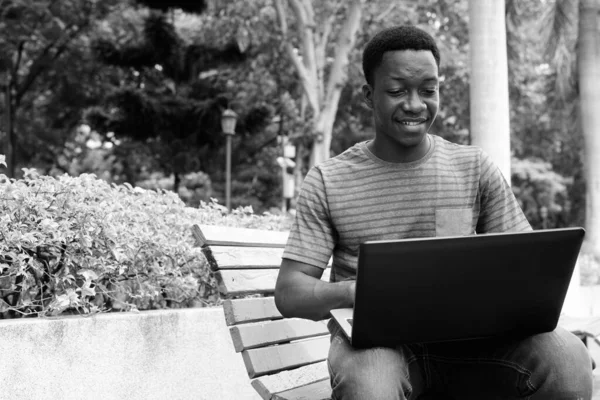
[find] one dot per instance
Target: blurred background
(136, 91)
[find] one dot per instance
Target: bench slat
(246, 281)
(251, 281)
(226, 257)
(241, 311)
(251, 336)
(245, 257)
(268, 360)
(243, 237)
(320, 390)
(284, 381)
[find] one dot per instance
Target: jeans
(552, 366)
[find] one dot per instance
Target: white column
(490, 118)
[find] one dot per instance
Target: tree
(489, 81)
(322, 81)
(574, 51)
(36, 36)
(588, 53)
(166, 101)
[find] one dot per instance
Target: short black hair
(405, 37)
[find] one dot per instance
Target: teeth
(410, 123)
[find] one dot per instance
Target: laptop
(457, 288)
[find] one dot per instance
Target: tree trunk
(325, 118)
(10, 131)
(589, 83)
(322, 98)
(176, 182)
(490, 118)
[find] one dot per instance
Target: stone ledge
(163, 354)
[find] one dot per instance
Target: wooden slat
(228, 236)
(251, 336)
(284, 381)
(198, 236)
(246, 257)
(246, 281)
(242, 311)
(320, 390)
(268, 360)
(251, 281)
(226, 257)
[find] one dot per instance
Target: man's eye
(395, 92)
(430, 91)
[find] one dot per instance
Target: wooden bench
(285, 357)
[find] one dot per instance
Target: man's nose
(413, 103)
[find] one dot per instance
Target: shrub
(541, 192)
(80, 245)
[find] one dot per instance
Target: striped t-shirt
(355, 197)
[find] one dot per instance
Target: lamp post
(228, 120)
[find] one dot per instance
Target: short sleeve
(311, 238)
(499, 209)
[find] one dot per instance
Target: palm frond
(564, 63)
(512, 15)
(559, 31)
(559, 22)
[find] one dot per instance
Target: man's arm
(301, 293)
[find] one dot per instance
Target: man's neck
(396, 153)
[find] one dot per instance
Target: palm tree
(575, 31)
(588, 70)
(490, 127)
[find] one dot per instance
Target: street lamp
(228, 120)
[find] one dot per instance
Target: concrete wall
(174, 354)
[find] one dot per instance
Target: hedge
(80, 245)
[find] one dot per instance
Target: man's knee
(558, 361)
(374, 374)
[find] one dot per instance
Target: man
(408, 183)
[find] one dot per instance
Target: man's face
(404, 97)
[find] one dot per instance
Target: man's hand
(301, 293)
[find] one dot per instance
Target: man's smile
(412, 121)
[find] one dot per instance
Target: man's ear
(368, 95)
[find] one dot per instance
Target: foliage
(177, 68)
(46, 75)
(194, 188)
(80, 245)
(197, 6)
(165, 102)
(542, 193)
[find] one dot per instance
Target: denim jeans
(551, 366)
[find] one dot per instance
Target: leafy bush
(541, 192)
(80, 245)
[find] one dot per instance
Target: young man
(408, 183)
